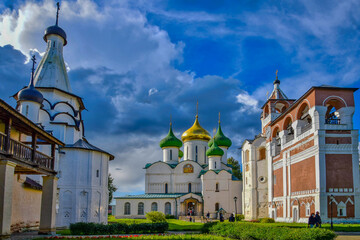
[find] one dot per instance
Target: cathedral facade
(305, 159)
(194, 182)
(82, 168)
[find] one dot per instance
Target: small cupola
(55, 29)
(220, 138)
(214, 150)
(30, 93)
(170, 140)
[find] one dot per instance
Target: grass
(172, 237)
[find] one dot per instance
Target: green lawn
(172, 237)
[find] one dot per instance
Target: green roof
(181, 153)
(202, 172)
(220, 139)
(172, 165)
(155, 195)
(170, 140)
(214, 150)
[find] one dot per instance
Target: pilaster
(48, 204)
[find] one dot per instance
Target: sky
(135, 63)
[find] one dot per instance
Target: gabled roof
(172, 165)
(84, 144)
(202, 172)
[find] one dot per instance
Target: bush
(168, 216)
(239, 217)
(267, 220)
(207, 226)
(155, 217)
(117, 228)
(247, 231)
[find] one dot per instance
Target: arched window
(166, 188)
(341, 209)
(189, 187)
(262, 153)
(167, 208)
(187, 153)
(215, 165)
(217, 206)
(127, 209)
(332, 115)
(27, 110)
(196, 154)
(217, 187)
(170, 154)
(141, 208)
(266, 111)
(154, 206)
(247, 155)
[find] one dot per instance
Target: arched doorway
(295, 214)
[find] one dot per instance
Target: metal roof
(84, 144)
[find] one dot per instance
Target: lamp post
(235, 198)
(331, 211)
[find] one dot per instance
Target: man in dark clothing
(231, 218)
(221, 217)
(318, 219)
(312, 220)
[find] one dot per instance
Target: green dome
(220, 139)
(181, 153)
(170, 140)
(214, 150)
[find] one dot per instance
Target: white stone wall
(190, 152)
(120, 204)
(170, 154)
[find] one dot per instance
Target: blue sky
(137, 62)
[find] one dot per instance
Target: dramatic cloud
(137, 62)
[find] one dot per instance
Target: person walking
(231, 218)
(208, 216)
(318, 219)
(312, 220)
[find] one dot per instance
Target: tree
(235, 167)
(111, 187)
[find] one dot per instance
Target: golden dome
(196, 132)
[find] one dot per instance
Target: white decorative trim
(333, 96)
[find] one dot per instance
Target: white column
(48, 204)
(7, 170)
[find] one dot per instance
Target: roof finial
(197, 108)
(170, 120)
(214, 132)
(219, 117)
(277, 74)
(33, 59)
(57, 13)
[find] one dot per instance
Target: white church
(195, 182)
(82, 168)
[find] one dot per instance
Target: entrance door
(191, 208)
(295, 214)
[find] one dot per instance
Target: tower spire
(219, 117)
(33, 59)
(197, 108)
(276, 73)
(170, 120)
(57, 13)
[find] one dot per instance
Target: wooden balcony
(24, 154)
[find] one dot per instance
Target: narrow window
(217, 187)
(154, 206)
(189, 187)
(166, 188)
(141, 208)
(215, 165)
(196, 154)
(27, 110)
(205, 155)
(217, 207)
(53, 44)
(308, 209)
(127, 209)
(274, 179)
(170, 154)
(167, 208)
(97, 173)
(187, 153)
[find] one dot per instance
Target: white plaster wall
(190, 151)
(30, 110)
(215, 163)
(170, 158)
(120, 203)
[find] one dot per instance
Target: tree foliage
(235, 167)
(111, 187)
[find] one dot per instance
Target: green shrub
(168, 216)
(239, 217)
(245, 231)
(155, 216)
(117, 228)
(207, 226)
(266, 220)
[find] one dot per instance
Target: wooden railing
(2, 142)
(24, 153)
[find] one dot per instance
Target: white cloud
(152, 91)
(248, 102)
